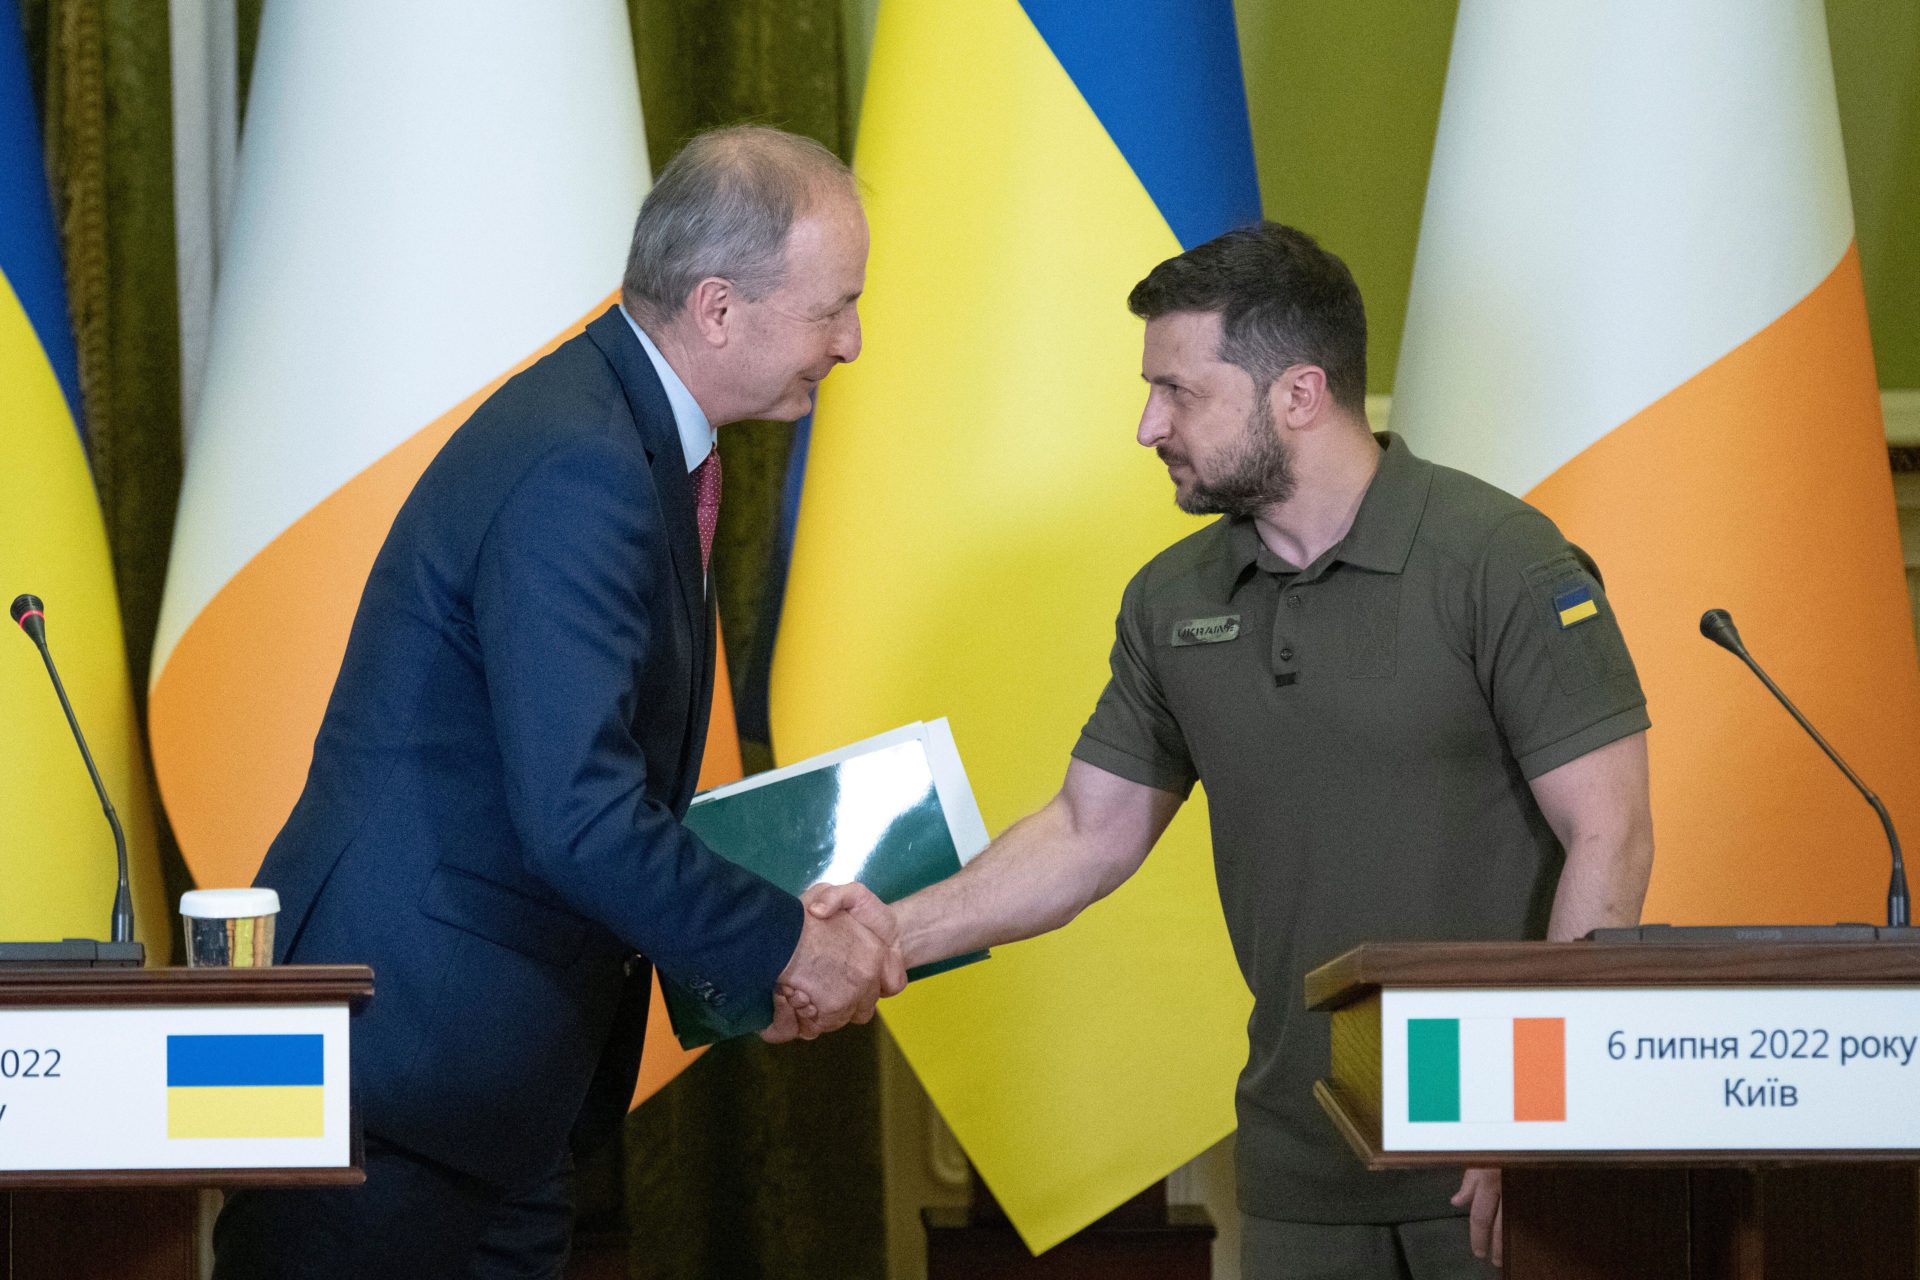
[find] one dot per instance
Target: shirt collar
(696, 434)
(1383, 530)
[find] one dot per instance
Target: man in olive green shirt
(1405, 692)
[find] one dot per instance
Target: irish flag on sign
(1486, 1069)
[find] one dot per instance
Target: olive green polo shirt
(1365, 728)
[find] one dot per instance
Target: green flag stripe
(1433, 1069)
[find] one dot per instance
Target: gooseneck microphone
(1717, 626)
(32, 617)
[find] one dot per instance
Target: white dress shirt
(696, 433)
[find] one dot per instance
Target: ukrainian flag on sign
(1026, 164)
(54, 544)
(246, 1086)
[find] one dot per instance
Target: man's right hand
(837, 975)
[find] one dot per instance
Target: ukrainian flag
(1026, 164)
(1576, 605)
(239, 1086)
(54, 544)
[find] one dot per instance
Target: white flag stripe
(1486, 1070)
(428, 192)
(1622, 192)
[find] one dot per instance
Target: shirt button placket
(1285, 633)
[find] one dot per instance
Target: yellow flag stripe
(985, 439)
(1585, 609)
(247, 1111)
(53, 543)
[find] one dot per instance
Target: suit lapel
(653, 417)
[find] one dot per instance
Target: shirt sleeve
(1132, 733)
(1549, 652)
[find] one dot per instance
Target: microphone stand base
(1757, 933)
(73, 953)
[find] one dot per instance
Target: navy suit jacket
(491, 819)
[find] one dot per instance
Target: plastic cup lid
(228, 904)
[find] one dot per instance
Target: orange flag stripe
(235, 710)
(1539, 1068)
(1761, 486)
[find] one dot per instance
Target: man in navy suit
(492, 816)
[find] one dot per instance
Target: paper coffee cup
(230, 928)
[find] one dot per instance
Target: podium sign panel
(123, 1091)
(189, 1087)
(1648, 1069)
(1666, 1111)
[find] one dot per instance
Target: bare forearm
(1603, 885)
(1599, 806)
(1029, 881)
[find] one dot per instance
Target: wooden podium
(1659, 1110)
(81, 1078)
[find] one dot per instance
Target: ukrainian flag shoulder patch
(1574, 605)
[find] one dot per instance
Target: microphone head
(1717, 626)
(32, 617)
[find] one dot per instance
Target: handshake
(848, 957)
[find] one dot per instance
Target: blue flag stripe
(200, 1061)
(29, 245)
(1577, 596)
(1163, 77)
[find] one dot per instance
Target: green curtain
(756, 1162)
(101, 77)
(708, 62)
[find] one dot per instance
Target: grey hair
(723, 207)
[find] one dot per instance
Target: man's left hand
(1479, 1195)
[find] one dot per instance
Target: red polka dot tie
(706, 497)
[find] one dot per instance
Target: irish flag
(430, 197)
(1637, 302)
(1486, 1070)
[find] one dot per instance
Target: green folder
(894, 812)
